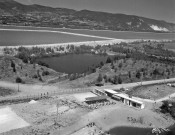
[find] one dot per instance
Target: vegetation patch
(168, 107)
(152, 91)
(6, 92)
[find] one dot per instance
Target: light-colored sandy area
(88, 43)
(9, 120)
(81, 97)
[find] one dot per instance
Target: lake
(73, 63)
(137, 131)
(15, 38)
(30, 38)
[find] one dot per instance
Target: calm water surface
(30, 38)
(15, 38)
(137, 131)
(73, 63)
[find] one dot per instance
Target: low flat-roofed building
(99, 92)
(110, 92)
(92, 100)
(128, 101)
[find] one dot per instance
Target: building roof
(96, 98)
(128, 98)
(110, 91)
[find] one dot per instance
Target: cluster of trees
(168, 107)
(75, 76)
(159, 50)
(114, 80)
(130, 69)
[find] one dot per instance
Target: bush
(45, 73)
(35, 76)
(119, 80)
(108, 60)
(100, 78)
(43, 64)
(18, 80)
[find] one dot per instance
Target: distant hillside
(14, 13)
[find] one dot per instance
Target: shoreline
(158, 32)
(88, 43)
(62, 32)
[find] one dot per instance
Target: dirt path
(29, 89)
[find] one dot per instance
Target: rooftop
(110, 91)
(96, 98)
(128, 98)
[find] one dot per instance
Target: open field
(152, 91)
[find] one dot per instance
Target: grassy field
(152, 91)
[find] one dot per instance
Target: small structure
(92, 100)
(128, 101)
(32, 102)
(110, 92)
(99, 92)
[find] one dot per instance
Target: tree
(120, 65)
(115, 79)
(105, 77)
(12, 64)
(129, 74)
(108, 60)
(138, 74)
(112, 65)
(72, 77)
(101, 63)
(100, 78)
(156, 72)
(18, 80)
(119, 80)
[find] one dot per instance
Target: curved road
(35, 89)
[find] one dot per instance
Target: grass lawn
(152, 91)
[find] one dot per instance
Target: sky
(155, 9)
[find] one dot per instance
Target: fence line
(39, 96)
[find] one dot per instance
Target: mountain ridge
(12, 12)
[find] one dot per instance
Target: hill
(14, 13)
(12, 68)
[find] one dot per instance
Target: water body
(30, 38)
(138, 131)
(73, 63)
(15, 38)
